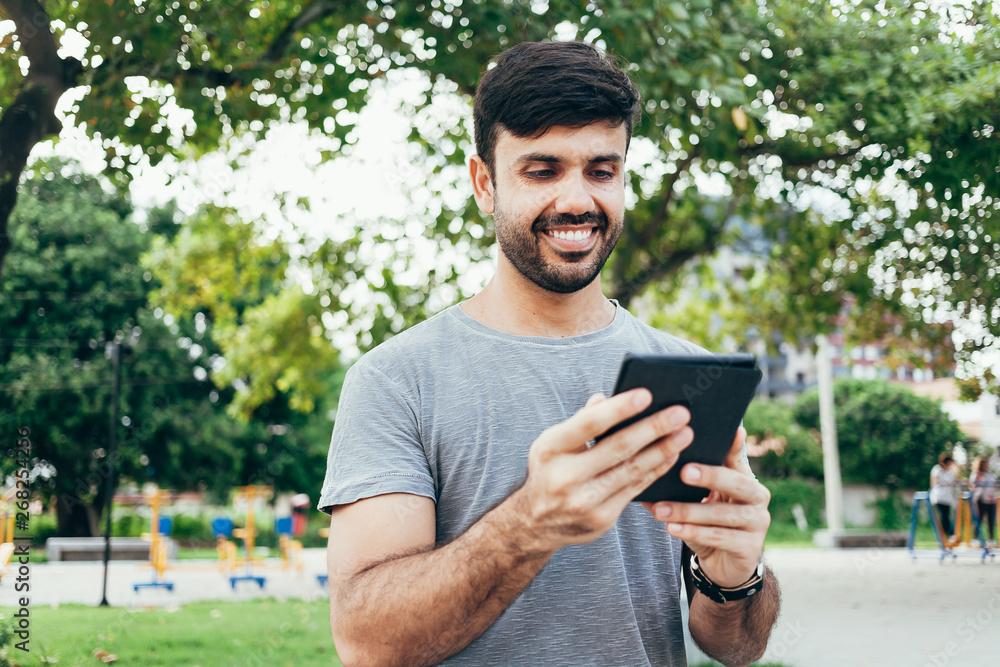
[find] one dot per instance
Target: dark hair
(944, 458)
(535, 86)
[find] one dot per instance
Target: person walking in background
(983, 484)
(994, 461)
(942, 493)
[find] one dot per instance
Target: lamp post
(114, 350)
(828, 432)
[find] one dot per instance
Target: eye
(541, 173)
(603, 174)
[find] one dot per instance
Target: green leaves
(75, 282)
(82, 274)
(280, 345)
(865, 135)
(216, 265)
(887, 435)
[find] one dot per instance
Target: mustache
(588, 219)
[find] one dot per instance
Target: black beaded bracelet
(717, 593)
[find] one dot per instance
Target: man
(473, 520)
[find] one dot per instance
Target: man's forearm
(421, 608)
(736, 633)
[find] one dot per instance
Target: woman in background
(942, 493)
(983, 485)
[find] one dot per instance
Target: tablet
(716, 389)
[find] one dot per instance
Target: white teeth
(577, 235)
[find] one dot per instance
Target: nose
(574, 197)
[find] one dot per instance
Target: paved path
(865, 608)
(81, 582)
(880, 608)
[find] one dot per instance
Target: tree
(885, 109)
(887, 435)
(801, 454)
(74, 283)
(274, 335)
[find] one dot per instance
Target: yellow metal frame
(249, 531)
(963, 524)
(291, 553)
(6, 531)
(157, 545)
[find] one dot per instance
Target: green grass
(205, 634)
(786, 535)
(925, 537)
(210, 553)
(198, 553)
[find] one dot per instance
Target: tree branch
(628, 289)
(660, 216)
(313, 12)
(214, 77)
(31, 24)
(774, 146)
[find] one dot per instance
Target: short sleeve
(375, 448)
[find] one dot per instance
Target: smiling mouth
(571, 235)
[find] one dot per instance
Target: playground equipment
(963, 530)
(248, 533)
(159, 529)
(291, 549)
(963, 523)
(6, 531)
(230, 559)
(222, 528)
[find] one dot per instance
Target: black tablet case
(716, 389)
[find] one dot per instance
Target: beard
(521, 245)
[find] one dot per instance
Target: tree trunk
(31, 117)
(76, 517)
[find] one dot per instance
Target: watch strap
(720, 594)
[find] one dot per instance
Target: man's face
(558, 202)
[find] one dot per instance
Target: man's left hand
(726, 530)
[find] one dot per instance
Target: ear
(482, 185)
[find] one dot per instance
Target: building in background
(979, 420)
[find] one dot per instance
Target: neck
(513, 304)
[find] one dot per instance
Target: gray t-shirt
(448, 410)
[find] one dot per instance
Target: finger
(593, 400)
(721, 514)
(631, 477)
(742, 544)
(591, 421)
(737, 485)
(716, 537)
(735, 459)
(621, 486)
(667, 427)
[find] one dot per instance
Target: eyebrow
(614, 158)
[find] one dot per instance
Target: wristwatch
(717, 593)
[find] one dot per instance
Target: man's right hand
(574, 494)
